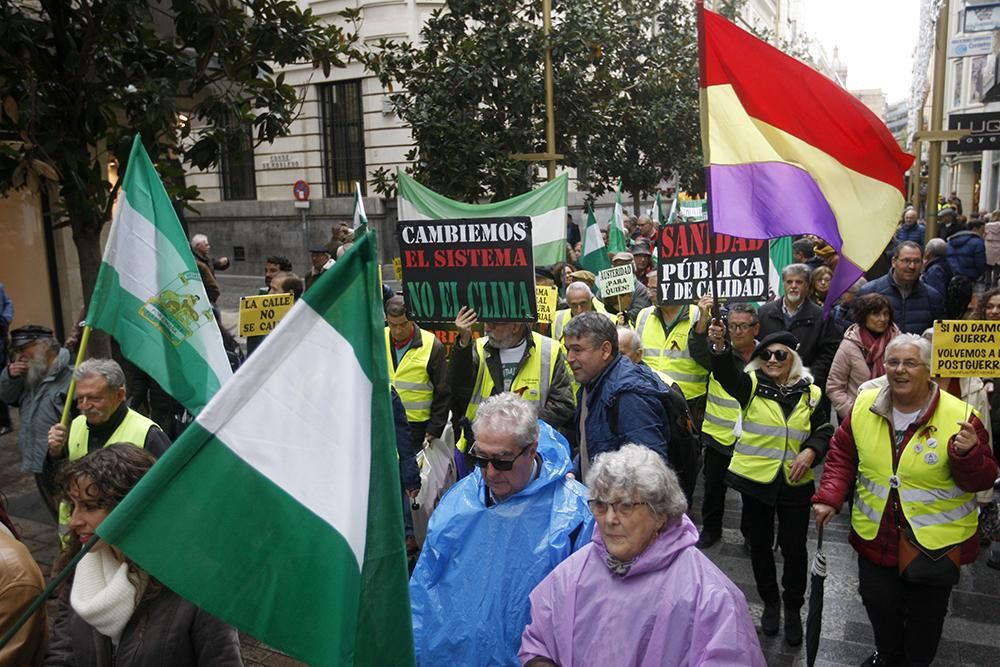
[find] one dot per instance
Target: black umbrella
(814, 619)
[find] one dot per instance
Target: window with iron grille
(236, 166)
(343, 138)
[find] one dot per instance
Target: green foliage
(78, 79)
(626, 94)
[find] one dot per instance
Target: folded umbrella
(814, 619)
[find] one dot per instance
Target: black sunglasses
(779, 355)
(503, 465)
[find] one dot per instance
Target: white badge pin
(930, 458)
(894, 481)
(932, 443)
(918, 448)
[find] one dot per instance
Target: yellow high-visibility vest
(770, 442)
(530, 383)
(410, 377)
(939, 512)
(668, 352)
(723, 416)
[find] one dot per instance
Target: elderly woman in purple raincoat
(640, 593)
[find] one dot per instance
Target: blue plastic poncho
(469, 591)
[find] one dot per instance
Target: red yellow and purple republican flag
(788, 151)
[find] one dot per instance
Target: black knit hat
(782, 337)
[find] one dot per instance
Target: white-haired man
(207, 265)
(495, 535)
(104, 419)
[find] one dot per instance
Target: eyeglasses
(908, 364)
(909, 262)
(502, 465)
(779, 355)
(740, 326)
(622, 508)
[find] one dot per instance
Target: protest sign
(260, 314)
(397, 268)
(741, 265)
(966, 348)
(616, 280)
(548, 300)
(484, 263)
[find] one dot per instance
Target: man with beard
(37, 378)
(795, 313)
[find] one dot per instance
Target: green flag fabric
(781, 256)
(617, 236)
(593, 253)
(546, 206)
(278, 510)
(149, 295)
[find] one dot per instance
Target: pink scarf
(874, 346)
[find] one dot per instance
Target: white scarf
(102, 594)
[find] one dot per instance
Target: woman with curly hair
(111, 611)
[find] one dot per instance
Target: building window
(343, 138)
(956, 99)
(239, 181)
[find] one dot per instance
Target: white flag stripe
(549, 226)
(135, 250)
(329, 402)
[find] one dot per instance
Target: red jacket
(975, 470)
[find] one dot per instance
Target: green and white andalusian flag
(360, 225)
(593, 252)
(617, 236)
(546, 206)
(278, 508)
(149, 295)
(658, 211)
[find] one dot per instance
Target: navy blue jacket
(967, 254)
(913, 314)
(915, 233)
(937, 274)
(408, 470)
(641, 418)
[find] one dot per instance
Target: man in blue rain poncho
(494, 536)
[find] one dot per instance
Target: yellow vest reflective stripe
(562, 318)
(723, 416)
(530, 382)
(939, 512)
(133, 430)
(410, 377)
(668, 352)
(769, 442)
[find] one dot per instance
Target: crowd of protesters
(564, 534)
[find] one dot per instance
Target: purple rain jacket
(674, 608)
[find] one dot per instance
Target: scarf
(102, 594)
(619, 567)
(874, 347)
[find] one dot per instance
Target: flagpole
(44, 595)
(81, 353)
(700, 9)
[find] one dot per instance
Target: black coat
(165, 630)
(818, 338)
